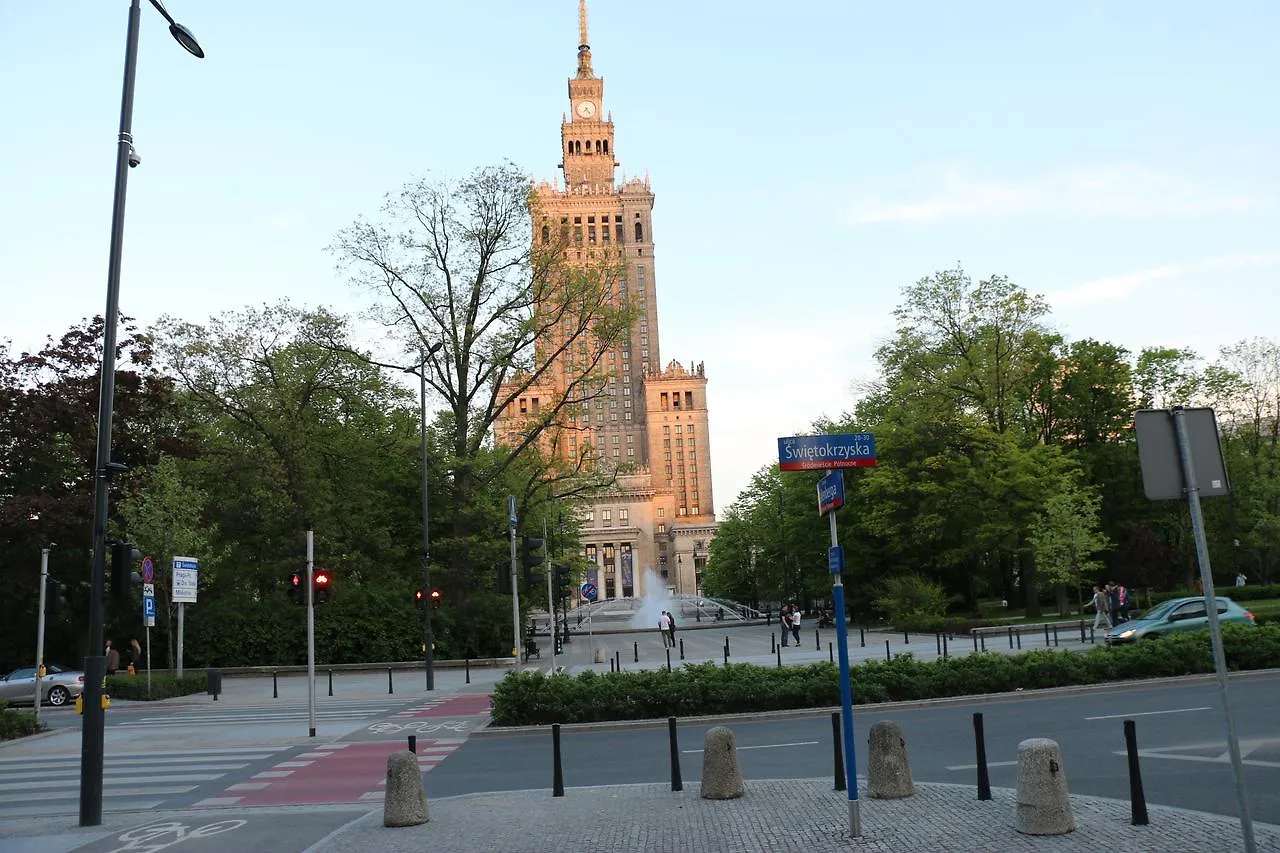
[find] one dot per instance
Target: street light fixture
(428, 640)
(95, 664)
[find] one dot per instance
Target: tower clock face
(586, 109)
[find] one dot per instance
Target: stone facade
(651, 422)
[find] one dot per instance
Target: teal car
(1175, 616)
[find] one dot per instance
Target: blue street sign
(511, 509)
(149, 606)
(835, 559)
(589, 591)
(830, 492)
(809, 452)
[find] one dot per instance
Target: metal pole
(846, 691)
(1137, 799)
(551, 599)
(677, 784)
(182, 624)
(515, 582)
(148, 661)
(311, 637)
(95, 665)
(428, 640)
(44, 582)
(1190, 485)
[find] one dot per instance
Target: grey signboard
(1158, 453)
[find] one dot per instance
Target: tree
(1065, 540)
(454, 264)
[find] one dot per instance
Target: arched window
(606, 146)
(546, 233)
(639, 233)
(597, 146)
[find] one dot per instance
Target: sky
(809, 161)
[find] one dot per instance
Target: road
(1179, 727)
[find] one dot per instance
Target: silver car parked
(58, 686)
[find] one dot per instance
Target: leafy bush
(163, 685)
(16, 724)
(530, 698)
(912, 602)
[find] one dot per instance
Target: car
(1175, 616)
(58, 686)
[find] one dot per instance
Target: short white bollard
(1044, 808)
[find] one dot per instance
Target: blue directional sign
(810, 452)
(589, 591)
(835, 559)
(830, 492)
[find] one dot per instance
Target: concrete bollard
(405, 803)
(1043, 805)
(888, 771)
(721, 776)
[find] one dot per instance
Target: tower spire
(584, 48)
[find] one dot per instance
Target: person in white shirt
(664, 628)
(795, 624)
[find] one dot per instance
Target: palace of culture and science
(651, 423)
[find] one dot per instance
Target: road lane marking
(763, 746)
(1147, 713)
(975, 767)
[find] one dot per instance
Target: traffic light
(320, 580)
(530, 556)
(563, 580)
(123, 556)
(55, 597)
(419, 597)
(297, 593)
(436, 596)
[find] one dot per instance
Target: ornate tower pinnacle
(584, 48)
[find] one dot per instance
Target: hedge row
(532, 698)
(164, 685)
(15, 724)
(1249, 592)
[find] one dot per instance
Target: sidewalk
(805, 816)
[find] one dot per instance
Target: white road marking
(763, 746)
(975, 767)
(273, 774)
(1147, 713)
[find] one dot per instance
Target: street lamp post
(428, 639)
(95, 664)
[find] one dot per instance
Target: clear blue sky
(809, 160)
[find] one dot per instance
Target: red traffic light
(417, 595)
(295, 580)
(435, 595)
(321, 578)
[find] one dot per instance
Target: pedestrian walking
(1113, 603)
(671, 629)
(113, 659)
(795, 624)
(664, 628)
(784, 620)
(1099, 604)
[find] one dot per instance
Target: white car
(58, 686)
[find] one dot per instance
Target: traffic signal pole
(515, 583)
(311, 636)
(551, 601)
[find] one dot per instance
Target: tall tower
(650, 424)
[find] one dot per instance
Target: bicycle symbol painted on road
(424, 727)
(158, 836)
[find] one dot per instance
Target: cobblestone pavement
(777, 816)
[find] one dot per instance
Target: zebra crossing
(327, 711)
(45, 785)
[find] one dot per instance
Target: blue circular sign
(148, 570)
(589, 591)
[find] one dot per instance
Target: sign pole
(1192, 489)
(846, 682)
(551, 600)
(44, 584)
(181, 624)
(311, 636)
(148, 661)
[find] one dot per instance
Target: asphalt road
(1179, 726)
